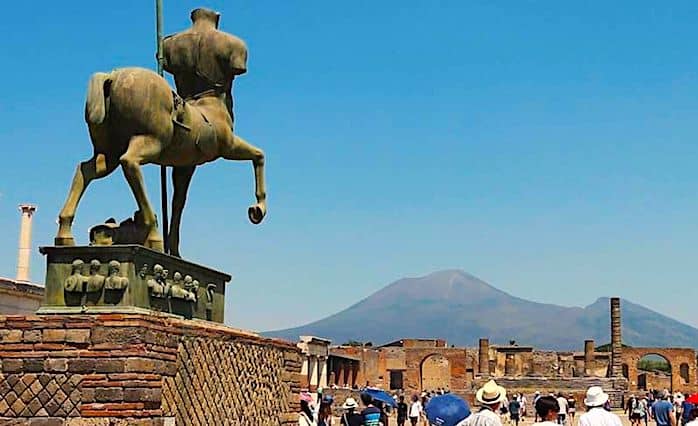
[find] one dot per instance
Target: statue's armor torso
(203, 60)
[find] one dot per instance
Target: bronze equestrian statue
(134, 118)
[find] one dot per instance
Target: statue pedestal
(130, 279)
(146, 370)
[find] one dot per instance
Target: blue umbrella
(381, 395)
(446, 410)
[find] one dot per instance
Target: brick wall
(142, 369)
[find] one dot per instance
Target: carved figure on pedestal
(178, 290)
(114, 281)
(75, 282)
(134, 118)
(192, 286)
(157, 284)
(95, 281)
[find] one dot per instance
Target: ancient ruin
(414, 365)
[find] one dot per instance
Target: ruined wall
(19, 298)
(143, 369)
(682, 361)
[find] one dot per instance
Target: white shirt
(483, 417)
(562, 401)
(547, 423)
(597, 416)
(415, 409)
(693, 423)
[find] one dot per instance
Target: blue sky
(547, 147)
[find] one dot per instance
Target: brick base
(113, 369)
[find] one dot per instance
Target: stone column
(589, 357)
(323, 372)
(509, 365)
(616, 342)
(312, 367)
(484, 356)
(25, 242)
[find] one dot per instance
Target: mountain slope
(460, 308)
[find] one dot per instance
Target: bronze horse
(134, 118)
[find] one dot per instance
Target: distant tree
(607, 347)
(654, 365)
(353, 343)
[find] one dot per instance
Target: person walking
(401, 411)
(547, 408)
(350, 417)
(663, 410)
(638, 411)
(490, 396)
(324, 415)
(523, 409)
(370, 416)
(596, 414)
(562, 413)
(415, 410)
(514, 410)
(306, 417)
(571, 408)
(536, 397)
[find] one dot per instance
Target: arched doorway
(653, 372)
(435, 372)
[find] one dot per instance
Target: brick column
(616, 342)
(588, 357)
(484, 356)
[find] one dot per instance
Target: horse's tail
(97, 98)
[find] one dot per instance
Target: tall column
(484, 356)
(25, 242)
(589, 357)
(323, 372)
(313, 379)
(616, 342)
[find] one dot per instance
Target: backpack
(638, 407)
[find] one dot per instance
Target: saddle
(192, 120)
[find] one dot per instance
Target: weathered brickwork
(143, 370)
(240, 381)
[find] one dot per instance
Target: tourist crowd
(495, 409)
(662, 407)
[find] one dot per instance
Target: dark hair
(402, 398)
(545, 404)
(366, 398)
(305, 407)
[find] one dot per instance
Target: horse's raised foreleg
(242, 150)
(96, 167)
(142, 149)
(181, 177)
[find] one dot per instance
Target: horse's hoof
(64, 241)
(256, 213)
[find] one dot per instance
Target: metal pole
(163, 169)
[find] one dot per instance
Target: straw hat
(490, 393)
(596, 397)
(349, 403)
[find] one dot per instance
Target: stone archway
(682, 362)
(654, 372)
(435, 372)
